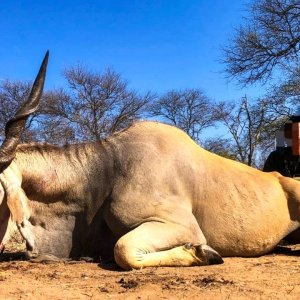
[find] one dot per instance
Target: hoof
(212, 256)
(45, 258)
(87, 259)
(205, 255)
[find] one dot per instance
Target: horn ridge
(31, 105)
(15, 125)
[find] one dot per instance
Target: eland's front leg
(155, 244)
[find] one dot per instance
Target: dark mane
(47, 147)
(34, 146)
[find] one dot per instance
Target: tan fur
(145, 192)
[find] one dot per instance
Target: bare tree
(269, 40)
(12, 95)
(55, 127)
(91, 107)
(220, 146)
(39, 126)
(265, 49)
(284, 96)
(95, 104)
(189, 110)
(252, 126)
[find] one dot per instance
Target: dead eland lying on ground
(147, 196)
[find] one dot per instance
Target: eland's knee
(127, 257)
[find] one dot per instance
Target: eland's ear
(17, 203)
(4, 220)
(16, 198)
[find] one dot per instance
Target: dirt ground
(274, 276)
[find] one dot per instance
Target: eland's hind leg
(164, 244)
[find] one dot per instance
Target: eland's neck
(71, 174)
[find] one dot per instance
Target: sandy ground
(274, 276)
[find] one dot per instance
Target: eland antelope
(147, 196)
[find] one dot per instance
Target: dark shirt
(282, 161)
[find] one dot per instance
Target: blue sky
(155, 45)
